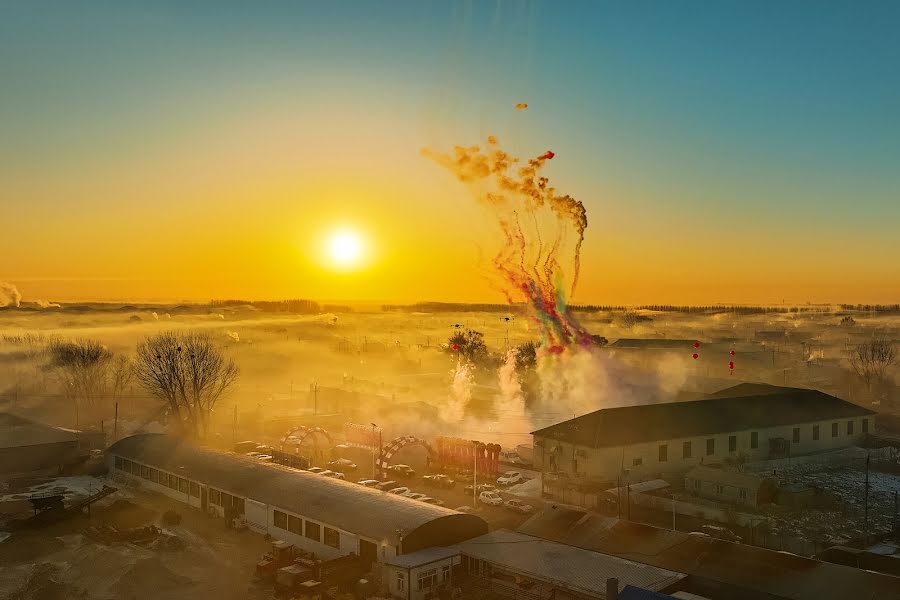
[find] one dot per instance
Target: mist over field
(395, 368)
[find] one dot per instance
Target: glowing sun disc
(345, 248)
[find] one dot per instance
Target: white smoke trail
(46, 304)
(9, 294)
(460, 391)
(512, 399)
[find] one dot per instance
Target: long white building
(747, 422)
(327, 516)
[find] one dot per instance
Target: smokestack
(612, 588)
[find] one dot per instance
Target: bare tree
(872, 360)
(121, 373)
(186, 371)
(82, 366)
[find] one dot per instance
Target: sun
(345, 248)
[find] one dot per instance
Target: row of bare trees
(184, 370)
(872, 361)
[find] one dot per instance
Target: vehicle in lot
(481, 487)
(440, 481)
(399, 491)
(245, 447)
(465, 509)
(519, 506)
(386, 485)
(429, 500)
(316, 470)
(343, 465)
(490, 498)
(404, 471)
(332, 474)
(510, 478)
(368, 482)
(414, 495)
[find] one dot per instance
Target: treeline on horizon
(294, 306)
(593, 308)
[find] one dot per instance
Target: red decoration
(695, 355)
(696, 344)
(547, 155)
(732, 352)
(456, 346)
(731, 364)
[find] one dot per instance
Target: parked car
(491, 498)
(368, 482)
(429, 500)
(315, 470)
(386, 485)
(519, 506)
(510, 478)
(245, 447)
(399, 491)
(404, 471)
(332, 474)
(482, 487)
(465, 509)
(441, 481)
(414, 495)
(343, 465)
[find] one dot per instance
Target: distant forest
(295, 306)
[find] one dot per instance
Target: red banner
(361, 436)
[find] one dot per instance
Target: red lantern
(695, 355)
(696, 344)
(731, 364)
(456, 346)
(732, 353)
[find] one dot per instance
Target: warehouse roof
(733, 567)
(739, 408)
(367, 512)
(18, 431)
(573, 568)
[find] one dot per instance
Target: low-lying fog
(395, 369)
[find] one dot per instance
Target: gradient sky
(725, 151)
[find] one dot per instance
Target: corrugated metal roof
(422, 557)
(18, 431)
(739, 408)
(747, 569)
(570, 567)
(364, 511)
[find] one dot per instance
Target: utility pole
(234, 426)
(116, 424)
(475, 480)
(865, 539)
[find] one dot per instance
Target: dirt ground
(60, 562)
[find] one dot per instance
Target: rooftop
(567, 566)
(754, 571)
(738, 408)
(18, 431)
(364, 511)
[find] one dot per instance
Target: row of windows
(687, 447)
(308, 529)
(180, 484)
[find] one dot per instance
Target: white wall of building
(415, 583)
(643, 460)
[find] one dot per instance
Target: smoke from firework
(9, 294)
(529, 262)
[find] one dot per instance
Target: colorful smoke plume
(530, 261)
